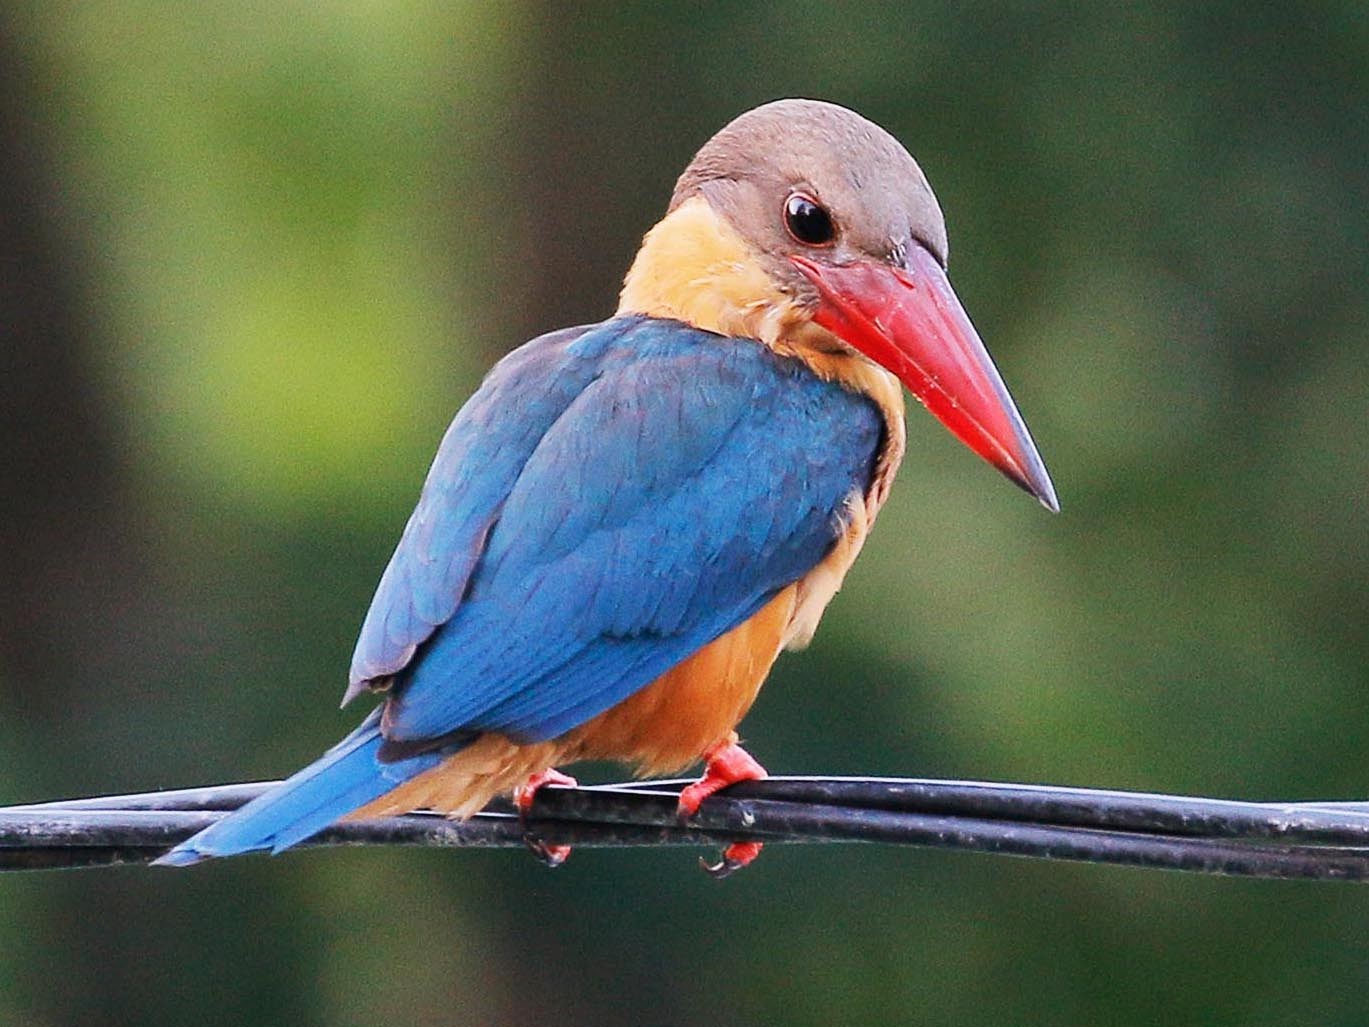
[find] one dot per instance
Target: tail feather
(343, 779)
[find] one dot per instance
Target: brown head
(870, 190)
(803, 213)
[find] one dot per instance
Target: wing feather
(478, 462)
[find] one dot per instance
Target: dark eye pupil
(808, 223)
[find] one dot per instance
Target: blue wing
(476, 466)
(609, 502)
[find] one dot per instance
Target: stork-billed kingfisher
(629, 520)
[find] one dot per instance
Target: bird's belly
(671, 722)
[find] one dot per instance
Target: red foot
(735, 856)
(728, 763)
(527, 791)
(551, 855)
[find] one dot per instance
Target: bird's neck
(694, 267)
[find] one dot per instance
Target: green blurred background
(255, 256)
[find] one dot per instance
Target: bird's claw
(727, 764)
(549, 855)
(524, 794)
(734, 857)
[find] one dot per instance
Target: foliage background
(254, 257)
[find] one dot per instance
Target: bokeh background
(253, 257)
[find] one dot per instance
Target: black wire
(1327, 841)
(1344, 823)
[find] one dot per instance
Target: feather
(345, 777)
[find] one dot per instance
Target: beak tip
(1028, 470)
(1039, 485)
(1044, 491)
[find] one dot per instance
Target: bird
(628, 521)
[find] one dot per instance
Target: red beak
(911, 323)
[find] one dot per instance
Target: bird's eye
(808, 221)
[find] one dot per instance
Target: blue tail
(344, 778)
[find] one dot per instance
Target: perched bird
(628, 521)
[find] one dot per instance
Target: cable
(1320, 840)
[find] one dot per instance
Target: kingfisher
(628, 521)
